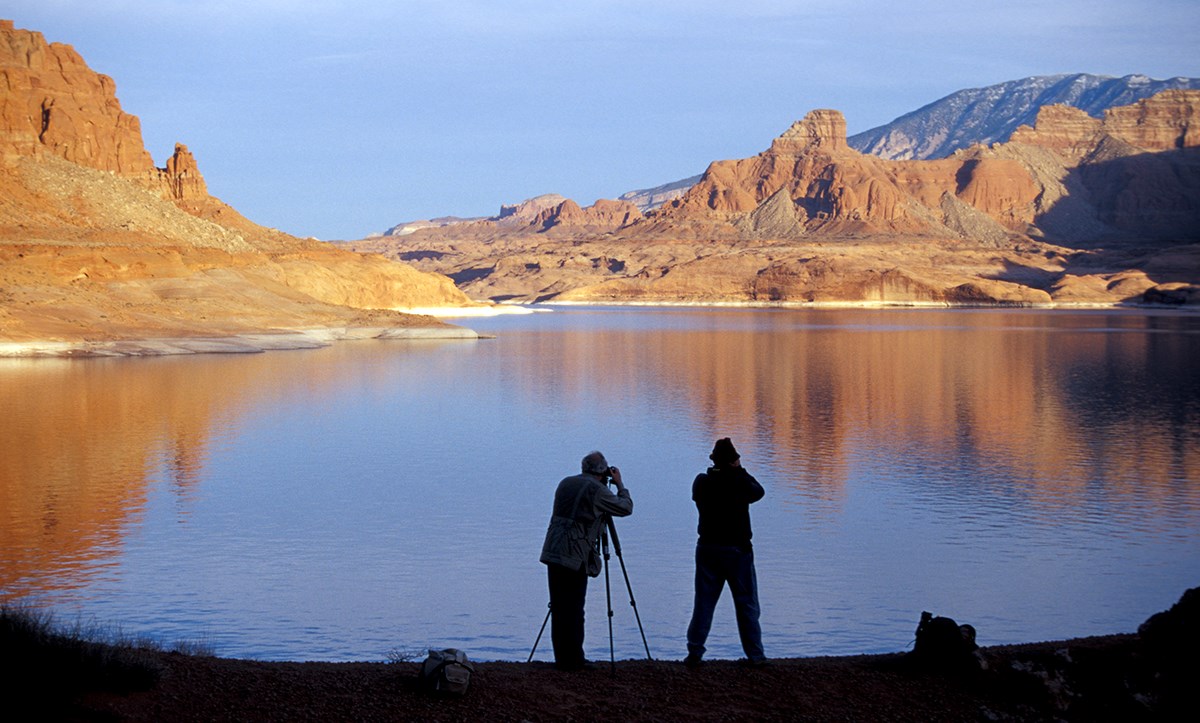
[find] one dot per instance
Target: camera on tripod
(607, 530)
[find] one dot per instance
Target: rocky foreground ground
(1150, 675)
(1104, 678)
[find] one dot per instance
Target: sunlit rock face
(1072, 210)
(96, 242)
(53, 103)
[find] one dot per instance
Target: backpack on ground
(941, 642)
(446, 672)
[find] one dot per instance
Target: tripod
(609, 529)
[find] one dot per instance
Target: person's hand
(616, 478)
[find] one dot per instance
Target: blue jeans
(715, 566)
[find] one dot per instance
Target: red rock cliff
(53, 103)
(837, 190)
(837, 187)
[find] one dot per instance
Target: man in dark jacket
(723, 496)
(571, 552)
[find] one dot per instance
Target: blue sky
(336, 119)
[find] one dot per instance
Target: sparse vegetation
(404, 655)
(48, 665)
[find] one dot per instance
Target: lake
(1033, 473)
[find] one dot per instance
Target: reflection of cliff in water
(84, 444)
(1053, 408)
(1020, 392)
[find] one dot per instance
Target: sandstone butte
(1075, 210)
(103, 252)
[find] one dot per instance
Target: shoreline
(873, 305)
(1095, 678)
(319, 337)
(244, 343)
(1147, 675)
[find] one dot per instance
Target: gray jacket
(580, 505)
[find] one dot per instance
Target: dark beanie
(723, 452)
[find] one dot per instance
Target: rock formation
(842, 191)
(603, 213)
(991, 114)
(96, 242)
(1050, 216)
(527, 211)
(53, 103)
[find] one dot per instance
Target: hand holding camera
(614, 476)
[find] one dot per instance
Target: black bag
(446, 672)
(943, 642)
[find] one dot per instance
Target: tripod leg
(633, 604)
(539, 635)
(628, 586)
(612, 656)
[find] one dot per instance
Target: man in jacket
(723, 496)
(571, 552)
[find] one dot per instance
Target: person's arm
(752, 489)
(619, 504)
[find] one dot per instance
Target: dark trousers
(715, 566)
(568, 591)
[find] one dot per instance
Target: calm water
(1036, 474)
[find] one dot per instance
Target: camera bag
(446, 672)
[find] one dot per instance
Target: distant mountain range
(1070, 210)
(976, 115)
(991, 114)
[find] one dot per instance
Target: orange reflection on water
(819, 394)
(81, 441)
(77, 447)
(1020, 392)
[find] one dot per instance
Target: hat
(723, 452)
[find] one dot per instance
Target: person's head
(724, 454)
(594, 463)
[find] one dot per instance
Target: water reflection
(81, 442)
(907, 385)
(1036, 455)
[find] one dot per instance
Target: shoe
(579, 665)
(693, 660)
(754, 662)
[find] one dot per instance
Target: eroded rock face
(820, 129)
(182, 178)
(54, 103)
(87, 253)
(1162, 122)
(1128, 174)
(812, 220)
(527, 211)
(604, 213)
(843, 191)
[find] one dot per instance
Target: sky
(341, 118)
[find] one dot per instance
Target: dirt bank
(1104, 678)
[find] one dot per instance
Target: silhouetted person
(723, 496)
(571, 552)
